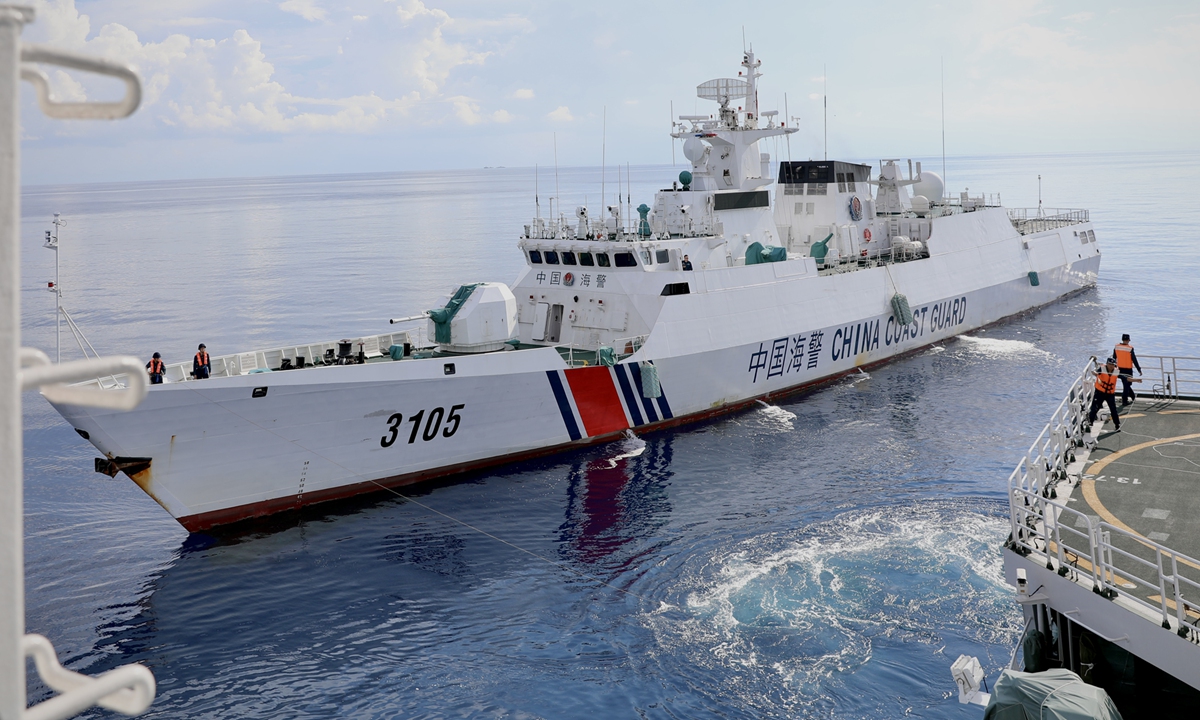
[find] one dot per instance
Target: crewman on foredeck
(1126, 362)
(1106, 389)
(156, 369)
(200, 365)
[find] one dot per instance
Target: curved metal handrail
(79, 110)
(128, 689)
(38, 372)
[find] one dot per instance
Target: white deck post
(12, 562)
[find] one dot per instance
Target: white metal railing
(1170, 377)
(1034, 220)
(314, 355)
(577, 355)
(1147, 574)
(130, 688)
(627, 346)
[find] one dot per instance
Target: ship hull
(219, 452)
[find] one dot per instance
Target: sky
(246, 88)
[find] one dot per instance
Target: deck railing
(1034, 220)
(315, 355)
(577, 356)
(1147, 574)
(1169, 377)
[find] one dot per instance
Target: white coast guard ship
(712, 299)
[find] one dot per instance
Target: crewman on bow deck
(1126, 362)
(156, 369)
(200, 364)
(1106, 388)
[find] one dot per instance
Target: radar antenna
(723, 90)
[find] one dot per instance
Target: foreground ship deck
(1105, 540)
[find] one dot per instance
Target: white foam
(631, 447)
(773, 417)
(995, 347)
(836, 587)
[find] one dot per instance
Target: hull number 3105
(433, 423)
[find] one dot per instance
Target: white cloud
(523, 94)
(562, 113)
(431, 59)
(306, 9)
(1080, 17)
(362, 17)
(503, 116)
(230, 85)
(466, 110)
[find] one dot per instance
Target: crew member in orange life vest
(1106, 388)
(1126, 362)
(200, 365)
(156, 369)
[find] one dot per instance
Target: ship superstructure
(733, 286)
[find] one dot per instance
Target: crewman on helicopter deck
(200, 364)
(156, 369)
(1106, 388)
(1126, 362)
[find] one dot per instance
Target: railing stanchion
(1162, 588)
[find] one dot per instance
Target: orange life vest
(1124, 355)
(156, 366)
(1106, 383)
(201, 358)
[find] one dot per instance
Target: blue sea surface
(827, 557)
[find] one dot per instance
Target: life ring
(571, 316)
(568, 279)
(855, 208)
(867, 234)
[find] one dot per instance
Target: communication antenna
(56, 287)
(603, 141)
(1039, 195)
(556, 196)
(787, 137)
(628, 195)
(672, 133)
(825, 105)
(537, 201)
(944, 121)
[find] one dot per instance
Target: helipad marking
(1089, 487)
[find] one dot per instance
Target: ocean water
(828, 557)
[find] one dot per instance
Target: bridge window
(816, 188)
(602, 259)
(624, 259)
(568, 257)
(586, 259)
(646, 260)
(662, 257)
(841, 181)
(551, 257)
(535, 257)
(676, 289)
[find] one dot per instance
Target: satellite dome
(931, 186)
(693, 149)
